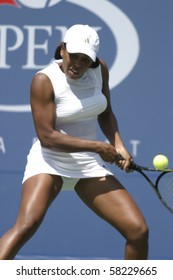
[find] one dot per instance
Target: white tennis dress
(78, 103)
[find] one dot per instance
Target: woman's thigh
(37, 194)
(111, 201)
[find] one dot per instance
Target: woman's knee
(27, 226)
(138, 231)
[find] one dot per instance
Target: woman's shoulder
(50, 67)
(103, 65)
(104, 70)
(50, 72)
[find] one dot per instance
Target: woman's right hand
(108, 153)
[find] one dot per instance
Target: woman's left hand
(125, 160)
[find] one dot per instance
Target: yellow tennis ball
(160, 162)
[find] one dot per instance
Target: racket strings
(165, 188)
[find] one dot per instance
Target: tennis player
(68, 99)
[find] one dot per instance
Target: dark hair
(57, 55)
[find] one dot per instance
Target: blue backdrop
(137, 43)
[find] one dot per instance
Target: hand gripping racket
(163, 185)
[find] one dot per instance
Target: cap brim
(78, 48)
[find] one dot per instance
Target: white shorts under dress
(78, 104)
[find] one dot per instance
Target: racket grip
(132, 166)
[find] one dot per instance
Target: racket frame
(140, 170)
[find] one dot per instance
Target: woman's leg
(37, 194)
(108, 199)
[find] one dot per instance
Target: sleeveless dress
(78, 104)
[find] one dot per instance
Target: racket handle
(133, 165)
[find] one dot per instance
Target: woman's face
(74, 65)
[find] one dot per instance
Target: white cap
(82, 39)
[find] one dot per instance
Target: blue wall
(137, 43)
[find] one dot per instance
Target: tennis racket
(163, 185)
